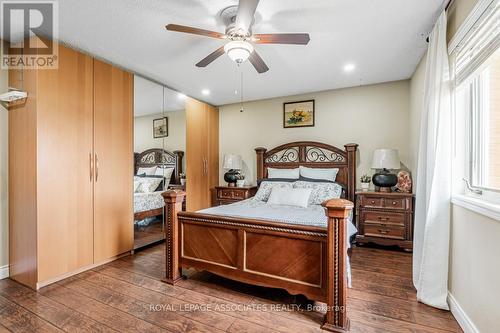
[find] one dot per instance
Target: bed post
(338, 211)
(260, 162)
(351, 149)
(173, 205)
(178, 165)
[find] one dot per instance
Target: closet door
(113, 158)
(197, 183)
(213, 149)
(64, 186)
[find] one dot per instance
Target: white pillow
(147, 171)
(265, 189)
(291, 197)
(165, 172)
(318, 173)
(149, 185)
(283, 173)
(320, 192)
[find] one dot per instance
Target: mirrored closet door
(159, 145)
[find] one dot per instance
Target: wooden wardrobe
(70, 169)
(202, 153)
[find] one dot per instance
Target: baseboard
(463, 320)
(4, 272)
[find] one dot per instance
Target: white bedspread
(313, 215)
(148, 201)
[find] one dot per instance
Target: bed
(147, 205)
(294, 253)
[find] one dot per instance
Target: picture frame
(298, 114)
(160, 128)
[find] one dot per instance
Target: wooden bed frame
(160, 158)
(301, 259)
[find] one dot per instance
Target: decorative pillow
(291, 197)
(147, 171)
(149, 184)
(320, 192)
(283, 173)
(266, 187)
(137, 183)
(329, 174)
(165, 172)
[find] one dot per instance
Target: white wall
(143, 132)
(4, 190)
(375, 116)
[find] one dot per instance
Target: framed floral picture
(160, 127)
(298, 114)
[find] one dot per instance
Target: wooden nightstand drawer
(384, 230)
(395, 203)
(384, 217)
(373, 202)
(226, 194)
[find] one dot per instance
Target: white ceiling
(149, 96)
(384, 38)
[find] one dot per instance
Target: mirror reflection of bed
(159, 145)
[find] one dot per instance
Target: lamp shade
(232, 162)
(386, 159)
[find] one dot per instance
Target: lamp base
(385, 180)
(231, 177)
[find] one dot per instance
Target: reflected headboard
(312, 155)
(161, 158)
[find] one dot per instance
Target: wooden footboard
(301, 259)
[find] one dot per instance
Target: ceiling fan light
(238, 51)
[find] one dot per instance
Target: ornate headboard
(160, 158)
(313, 155)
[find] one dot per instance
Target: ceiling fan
(239, 20)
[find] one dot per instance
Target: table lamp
(385, 160)
(234, 164)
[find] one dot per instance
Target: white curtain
(433, 188)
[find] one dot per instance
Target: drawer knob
(383, 231)
(383, 218)
(373, 201)
(394, 202)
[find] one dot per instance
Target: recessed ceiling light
(205, 92)
(349, 67)
(181, 96)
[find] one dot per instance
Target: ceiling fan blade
(195, 31)
(211, 57)
(245, 15)
(298, 39)
(257, 62)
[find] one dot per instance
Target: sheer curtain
(433, 191)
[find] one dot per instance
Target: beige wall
(4, 196)
(474, 244)
(143, 132)
(475, 268)
(374, 116)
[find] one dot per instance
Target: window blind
(480, 42)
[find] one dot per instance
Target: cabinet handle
(383, 218)
(91, 165)
(382, 231)
(205, 166)
(96, 167)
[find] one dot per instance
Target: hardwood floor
(127, 296)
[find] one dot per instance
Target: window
(476, 64)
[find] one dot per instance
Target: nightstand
(385, 218)
(227, 195)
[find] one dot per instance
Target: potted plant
(183, 179)
(365, 182)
